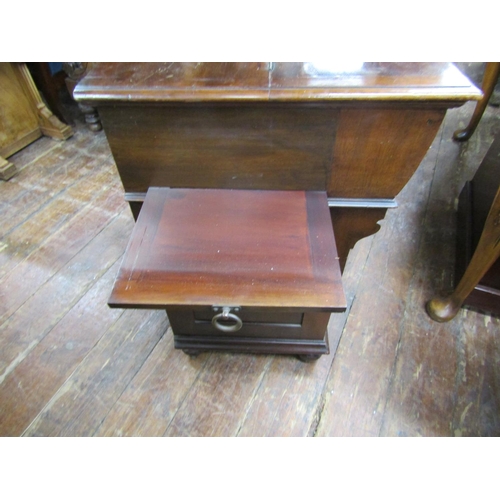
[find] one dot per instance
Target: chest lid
(327, 81)
(232, 248)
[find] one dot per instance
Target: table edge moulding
(267, 82)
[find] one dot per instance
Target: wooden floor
(70, 366)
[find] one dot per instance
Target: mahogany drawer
(256, 322)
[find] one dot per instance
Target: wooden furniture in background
(477, 269)
(239, 270)
(24, 117)
(490, 78)
(50, 86)
(357, 131)
(478, 244)
(76, 71)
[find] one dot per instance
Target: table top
(231, 248)
(279, 81)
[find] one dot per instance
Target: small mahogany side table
(239, 270)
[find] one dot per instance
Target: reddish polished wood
(221, 146)
(234, 248)
(261, 81)
(377, 150)
(353, 224)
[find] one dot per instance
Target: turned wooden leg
(7, 169)
(91, 117)
(76, 71)
(490, 78)
(486, 253)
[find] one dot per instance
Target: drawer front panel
(256, 323)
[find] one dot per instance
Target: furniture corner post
(49, 124)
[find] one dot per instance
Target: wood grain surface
(234, 81)
(213, 146)
(204, 247)
(18, 117)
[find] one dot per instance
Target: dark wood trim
(253, 345)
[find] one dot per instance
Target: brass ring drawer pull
(226, 315)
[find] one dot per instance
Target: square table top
(231, 248)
